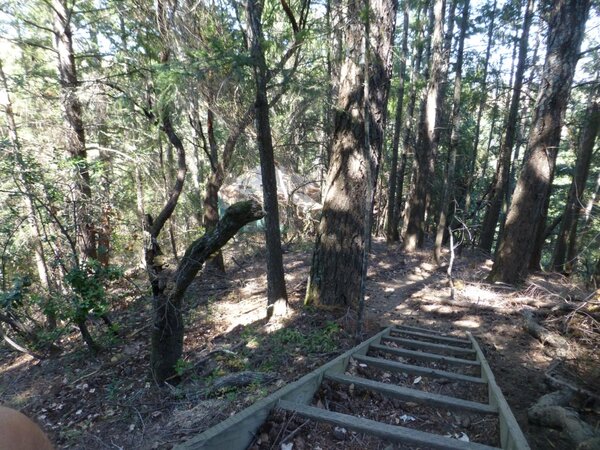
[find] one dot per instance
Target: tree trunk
(197, 164)
(447, 195)
(501, 179)
(140, 207)
(74, 129)
(168, 329)
(391, 230)
(276, 290)
(337, 263)
(586, 213)
(24, 184)
(428, 138)
(75, 146)
(213, 185)
(565, 31)
(572, 211)
(482, 102)
(407, 137)
(527, 106)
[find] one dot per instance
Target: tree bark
(74, 129)
(391, 230)
(428, 138)
(75, 146)
(213, 185)
(337, 263)
(482, 102)
(448, 189)
(565, 32)
(276, 290)
(168, 329)
(407, 137)
(573, 207)
(501, 179)
(24, 184)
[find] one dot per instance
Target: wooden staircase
(417, 345)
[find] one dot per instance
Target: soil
(107, 400)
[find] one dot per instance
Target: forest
(204, 200)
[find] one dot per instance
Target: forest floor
(108, 401)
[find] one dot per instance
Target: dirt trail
(108, 400)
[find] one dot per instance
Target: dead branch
(558, 383)
(18, 347)
(559, 343)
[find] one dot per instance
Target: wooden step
(239, 431)
(442, 348)
(414, 395)
(416, 370)
(424, 355)
(413, 328)
(388, 432)
(433, 337)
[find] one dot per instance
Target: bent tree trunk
(213, 184)
(565, 31)
(167, 332)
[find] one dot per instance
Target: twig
(281, 430)
(212, 352)
(450, 264)
(295, 432)
(85, 376)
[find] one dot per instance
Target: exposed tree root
(551, 411)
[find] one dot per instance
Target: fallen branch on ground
(559, 343)
(558, 382)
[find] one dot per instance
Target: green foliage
(88, 283)
(21, 305)
(182, 366)
(275, 348)
(14, 298)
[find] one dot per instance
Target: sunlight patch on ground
(253, 285)
(233, 313)
(476, 293)
(472, 322)
(19, 362)
(439, 309)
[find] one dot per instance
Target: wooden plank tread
(436, 337)
(414, 395)
(411, 343)
(412, 328)
(389, 432)
(417, 370)
(424, 355)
